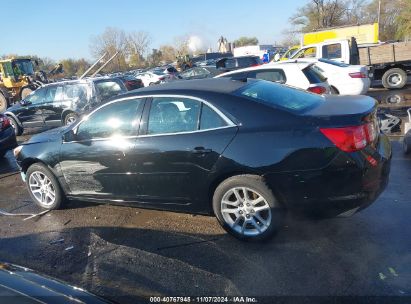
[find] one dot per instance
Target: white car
(301, 75)
(344, 79)
(150, 78)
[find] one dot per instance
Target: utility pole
(379, 12)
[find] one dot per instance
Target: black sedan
(243, 151)
(7, 136)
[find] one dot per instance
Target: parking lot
(124, 253)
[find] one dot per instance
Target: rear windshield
(340, 64)
(314, 75)
(280, 96)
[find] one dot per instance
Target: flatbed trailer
(390, 63)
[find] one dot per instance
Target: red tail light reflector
(348, 139)
(317, 90)
(4, 122)
(358, 75)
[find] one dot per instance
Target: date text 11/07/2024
(203, 300)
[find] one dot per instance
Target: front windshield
(24, 67)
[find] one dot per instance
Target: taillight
(358, 75)
(351, 139)
(4, 122)
(317, 90)
(161, 78)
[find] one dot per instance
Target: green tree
(244, 41)
(404, 20)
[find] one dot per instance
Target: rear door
(180, 141)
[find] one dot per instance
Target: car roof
(218, 85)
(80, 81)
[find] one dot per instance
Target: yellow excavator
(18, 78)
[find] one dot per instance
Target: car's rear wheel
(334, 91)
(17, 129)
(70, 118)
(394, 79)
(43, 187)
(247, 208)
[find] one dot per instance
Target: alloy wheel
(246, 211)
(42, 188)
(395, 79)
(71, 119)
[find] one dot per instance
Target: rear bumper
(7, 140)
(348, 182)
(358, 87)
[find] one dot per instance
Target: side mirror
(69, 136)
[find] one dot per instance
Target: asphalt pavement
(126, 254)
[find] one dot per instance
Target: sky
(64, 28)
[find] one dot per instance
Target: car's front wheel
(43, 187)
(247, 208)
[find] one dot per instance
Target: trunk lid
(342, 111)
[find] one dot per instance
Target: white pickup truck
(390, 62)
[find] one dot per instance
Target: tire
(25, 92)
(35, 174)
(394, 79)
(243, 221)
(151, 83)
(334, 91)
(17, 129)
(3, 103)
(406, 143)
(70, 118)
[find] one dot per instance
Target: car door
(31, 112)
(181, 139)
(52, 106)
(95, 161)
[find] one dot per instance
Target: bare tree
(168, 52)
(112, 40)
(181, 45)
(138, 42)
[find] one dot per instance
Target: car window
(172, 115)
(210, 119)
(116, 119)
(37, 96)
(310, 52)
(331, 51)
(76, 92)
(276, 75)
(280, 96)
(107, 89)
(313, 74)
(54, 93)
(230, 63)
(242, 76)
